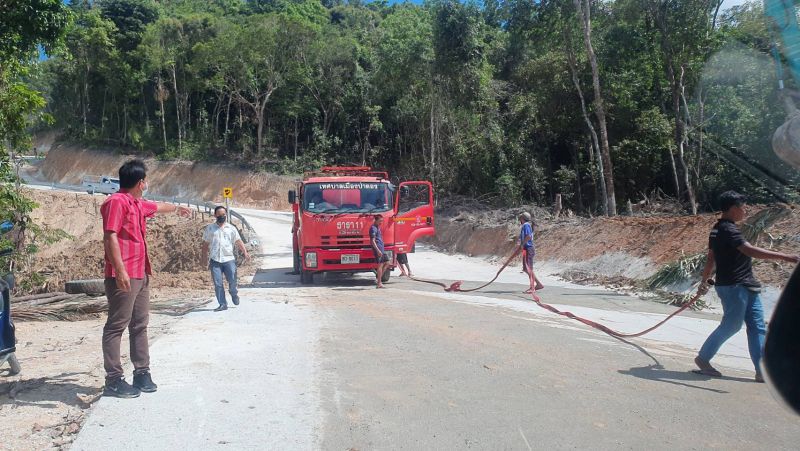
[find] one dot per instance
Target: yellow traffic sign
(227, 193)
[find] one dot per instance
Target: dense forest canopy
(604, 102)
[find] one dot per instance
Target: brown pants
(129, 310)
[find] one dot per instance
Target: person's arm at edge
(757, 252)
(374, 243)
(241, 246)
(171, 208)
(204, 253)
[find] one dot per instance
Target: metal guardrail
(208, 206)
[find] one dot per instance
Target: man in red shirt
(127, 279)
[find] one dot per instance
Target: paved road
(341, 365)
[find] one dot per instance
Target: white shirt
(221, 241)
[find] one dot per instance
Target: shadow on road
(46, 391)
(657, 372)
(286, 278)
(660, 374)
(273, 278)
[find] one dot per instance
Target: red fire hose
(456, 287)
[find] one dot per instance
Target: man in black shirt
(735, 284)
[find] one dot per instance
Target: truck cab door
(413, 214)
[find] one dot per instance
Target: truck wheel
(306, 277)
(92, 286)
(14, 364)
(386, 275)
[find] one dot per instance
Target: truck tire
(90, 286)
(386, 275)
(296, 262)
(306, 277)
(14, 364)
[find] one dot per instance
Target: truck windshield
(348, 197)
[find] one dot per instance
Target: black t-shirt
(733, 267)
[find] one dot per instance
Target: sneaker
(759, 378)
(120, 389)
(144, 382)
(236, 300)
(221, 308)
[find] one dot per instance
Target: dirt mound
(174, 244)
(68, 164)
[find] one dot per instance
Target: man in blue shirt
(528, 252)
(376, 241)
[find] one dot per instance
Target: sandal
(705, 368)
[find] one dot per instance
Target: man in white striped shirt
(219, 239)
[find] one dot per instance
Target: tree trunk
(433, 140)
(575, 154)
(177, 105)
(85, 99)
(125, 123)
(160, 93)
(146, 113)
(680, 136)
(594, 142)
(216, 113)
(227, 119)
(258, 109)
(716, 13)
(295, 138)
(584, 13)
(674, 170)
(103, 114)
(700, 134)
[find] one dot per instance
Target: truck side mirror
(292, 196)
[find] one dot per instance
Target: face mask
(221, 219)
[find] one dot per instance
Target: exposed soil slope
(68, 164)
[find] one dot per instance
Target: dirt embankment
(174, 244)
(69, 163)
(627, 247)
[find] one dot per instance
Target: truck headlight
(311, 259)
(390, 254)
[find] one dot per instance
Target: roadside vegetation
(602, 102)
(26, 27)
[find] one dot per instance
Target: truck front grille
(344, 241)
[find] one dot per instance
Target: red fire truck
(334, 209)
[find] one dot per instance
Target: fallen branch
(32, 297)
(53, 300)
